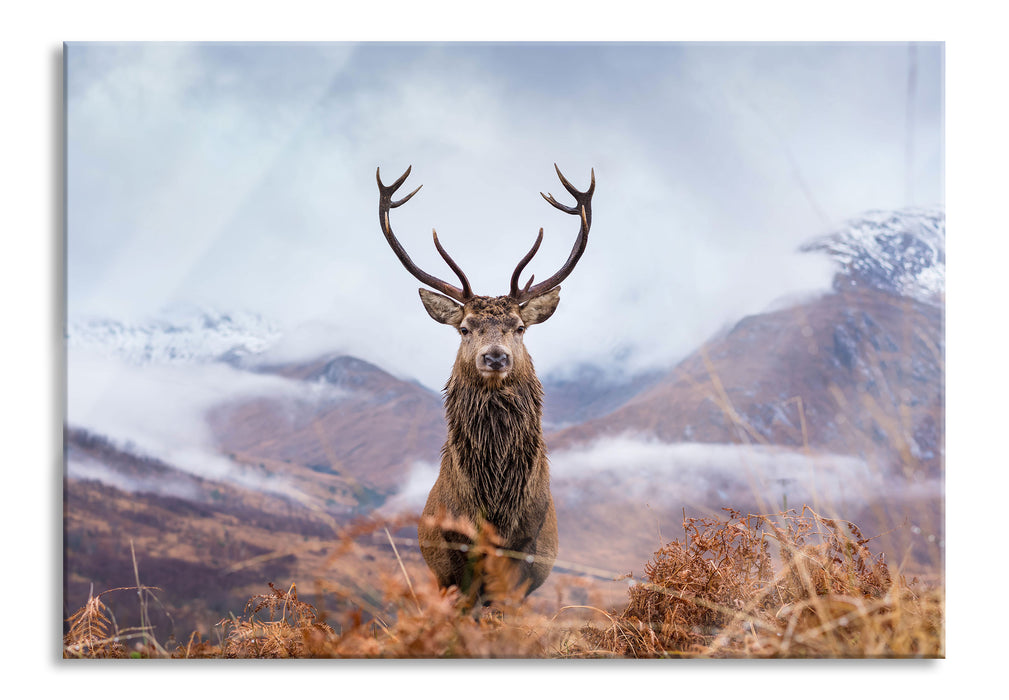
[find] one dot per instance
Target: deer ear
(539, 309)
(441, 309)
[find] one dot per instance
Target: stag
(494, 470)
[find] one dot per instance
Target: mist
(709, 475)
(158, 411)
(94, 470)
(241, 176)
(705, 477)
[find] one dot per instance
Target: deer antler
(385, 203)
(583, 209)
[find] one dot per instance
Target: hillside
(367, 433)
(589, 392)
(205, 544)
(857, 372)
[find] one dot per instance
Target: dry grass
(784, 585)
(93, 632)
(719, 594)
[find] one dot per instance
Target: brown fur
(494, 466)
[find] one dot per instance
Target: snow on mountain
(179, 336)
(901, 252)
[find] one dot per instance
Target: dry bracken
(791, 584)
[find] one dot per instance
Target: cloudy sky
(241, 177)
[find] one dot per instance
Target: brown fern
(89, 635)
(718, 594)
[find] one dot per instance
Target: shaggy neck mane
(496, 441)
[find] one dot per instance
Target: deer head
(491, 329)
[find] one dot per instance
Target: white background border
(32, 289)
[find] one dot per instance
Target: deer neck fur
(495, 443)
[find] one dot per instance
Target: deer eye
(464, 331)
(520, 329)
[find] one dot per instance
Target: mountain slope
(859, 371)
(186, 531)
(856, 372)
(589, 392)
(369, 430)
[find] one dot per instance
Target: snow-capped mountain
(900, 252)
(179, 336)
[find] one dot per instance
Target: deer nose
(496, 358)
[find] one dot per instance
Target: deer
(494, 474)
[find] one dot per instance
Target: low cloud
(712, 476)
(158, 411)
(703, 476)
(413, 495)
(93, 470)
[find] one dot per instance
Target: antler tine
(466, 289)
(387, 192)
(385, 203)
(582, 209)
(574, 192)
(522, 263)
(572, 189)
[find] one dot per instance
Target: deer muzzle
(494, 359)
